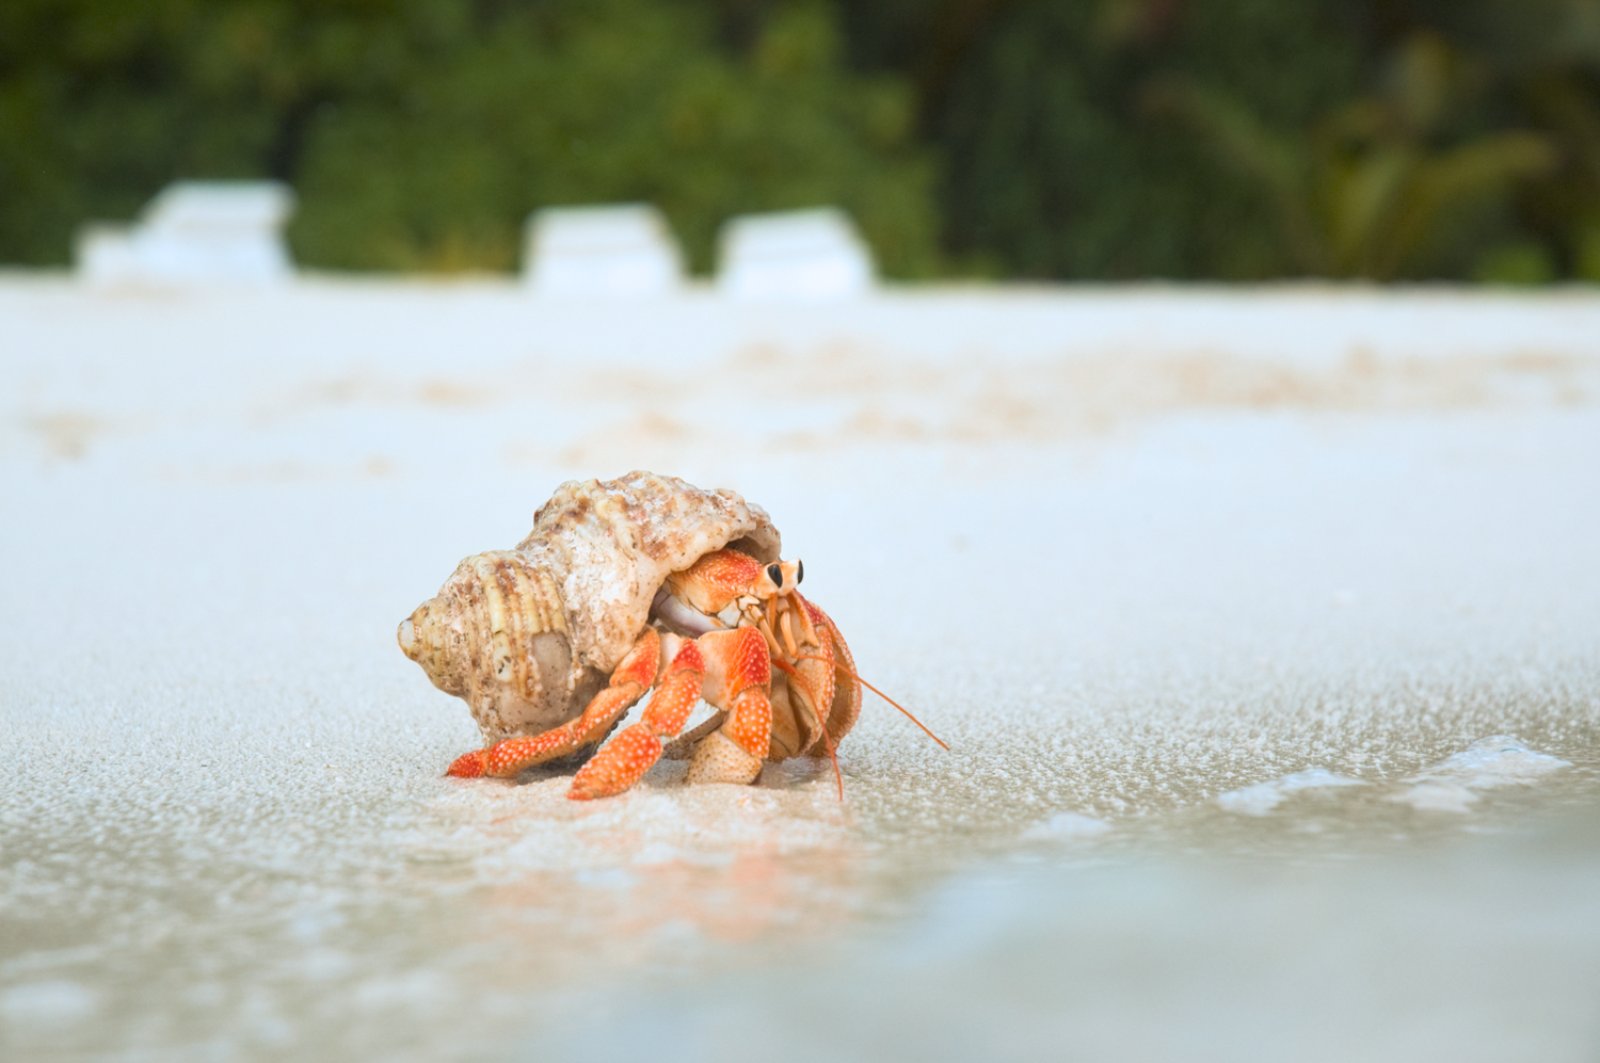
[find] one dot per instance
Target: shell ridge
(586, 573)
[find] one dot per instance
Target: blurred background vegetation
(1080, 139)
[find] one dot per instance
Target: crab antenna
(827, 740)
(942, 743)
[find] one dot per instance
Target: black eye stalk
(775, 574)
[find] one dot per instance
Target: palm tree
(1373, 189)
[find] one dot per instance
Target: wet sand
(1262, 627)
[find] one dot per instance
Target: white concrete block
(105, 254)
(620, 251)
(204, 209)
(803, 254)
(196, 233)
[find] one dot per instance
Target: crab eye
(775, 574)
(799, 572)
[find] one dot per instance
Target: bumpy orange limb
(623, 761)
(750, 722)
(628, 684)
(740, 682)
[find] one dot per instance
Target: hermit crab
(622, 586)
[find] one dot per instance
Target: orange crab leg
(740, 683)
(628, 684)
(841, 718)
(904, 711)
(827, 742)
(623, 761)
(747, 675)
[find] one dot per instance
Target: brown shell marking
(528, 635)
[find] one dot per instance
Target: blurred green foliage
(419, 134)
(1249, 139)
(1096, 139)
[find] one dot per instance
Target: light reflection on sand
(1129, 552)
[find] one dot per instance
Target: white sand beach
(1264, 628)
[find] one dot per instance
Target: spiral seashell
(527, 636)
